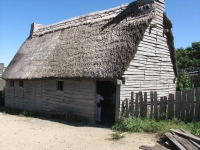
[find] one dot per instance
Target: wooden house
(124, 49)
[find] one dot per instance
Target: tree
(188, 57)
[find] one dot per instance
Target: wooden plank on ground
(178, 104)
(155, 106)
(156, 147)
(132, 103)
(173, 140)
(193, 142)
(183, 104)
(151, 98)
(145, 105)
(193, 137)
(141, 104)
(186, 143)
(188, 105)
(136, 105)
(171, 106)
(197, 105)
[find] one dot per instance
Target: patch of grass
(118, 135)
(24, 114)
(152, 126)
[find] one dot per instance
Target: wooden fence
(2, 98)
(194, 73)
(184, 105)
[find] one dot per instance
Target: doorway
(108, 90)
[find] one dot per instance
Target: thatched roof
(98, 45)
(1, 68)
(170, 40)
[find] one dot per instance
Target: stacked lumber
(183, 139)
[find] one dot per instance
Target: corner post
(117, 106)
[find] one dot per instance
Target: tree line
(188, 57)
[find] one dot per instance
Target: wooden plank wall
(19, 96)
(151, 69)
(42, 95)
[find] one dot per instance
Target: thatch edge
(170, 42)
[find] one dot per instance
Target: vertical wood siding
(151, 69)
(42, 95)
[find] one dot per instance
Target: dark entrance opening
(108, 90)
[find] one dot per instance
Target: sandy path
(20, 133)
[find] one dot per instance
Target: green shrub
(184, 82)
(128, 124)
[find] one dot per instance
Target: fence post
(132, 103)
(127, 107)
(183, 104)
(165, 107)
(141, 104)
(155, 106)
(161, 109)
(117, 106)
(136, 105)
(145, 105)
(178, 104)
(188, 105)
(151, 97)
(192, 104)
(171, 106)
(197, 106)
(123, 108)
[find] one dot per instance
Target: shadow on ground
(71, 119)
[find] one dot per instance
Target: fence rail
(184, 105)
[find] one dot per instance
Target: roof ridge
(89, 18)
(82, 18)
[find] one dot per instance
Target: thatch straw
(98, 45)
(170, 41)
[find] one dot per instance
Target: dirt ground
(24, 133)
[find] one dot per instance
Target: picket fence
(184, 105)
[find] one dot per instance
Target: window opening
(21, 83)
(60, 85)
(11, 83)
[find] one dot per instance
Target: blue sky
(16, 17)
